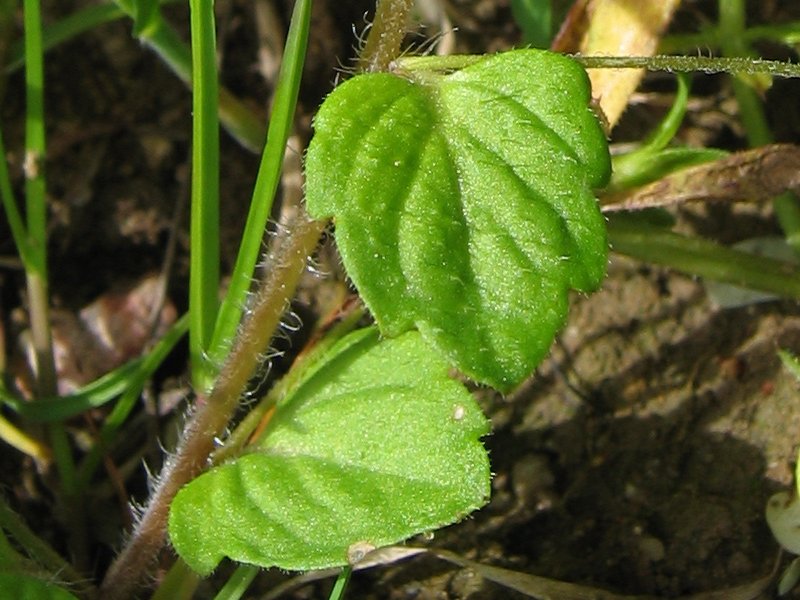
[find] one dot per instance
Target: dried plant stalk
(754, 175)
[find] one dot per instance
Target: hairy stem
(386, 35)
(673, 64)
(213, 413)
(704, 64)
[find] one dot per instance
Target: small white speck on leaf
(459, 412)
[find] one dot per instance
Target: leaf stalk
(213, 412)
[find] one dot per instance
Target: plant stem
(180, 583)
(13, 216)
(246, 127)
(204, 235)
(267, 181)
(732, 26)
(238, 583)
(36, 267)
(672, 64)
(386, 35)
(705, 64)
(240, 122)
(703, 258)
(337, 593)
(40, 333)
(35, 205)
(732, 15)
(213, 413)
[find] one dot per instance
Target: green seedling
(427, 239)
(462, 193)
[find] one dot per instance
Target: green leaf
(377, 444)
(25, 587)
(641, 167)
(463, 203)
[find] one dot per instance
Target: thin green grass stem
(244, 125)
(67, 28)
(731, 28)
(36, 210)
(35, 204)
(167, 44)
(36, 273)
(92, 395)
(238, 583)
(204, 234)
(280, 126)
(340, 586)
(238, 120)
(180, 583)
(732, 19)
(126, 403)
(13, 216)
(666, 130)
(696, 256)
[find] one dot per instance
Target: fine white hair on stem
(361, 36)
(259, 382)
(291, 322)
(313, 266)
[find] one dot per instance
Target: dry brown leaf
(105, 334)
(756, 175)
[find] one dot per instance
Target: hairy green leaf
(463, 203)
(376, 445)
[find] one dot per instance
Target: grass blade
(701, 257)
(238, 583)
(122, 409)
(269, 172)
(204, 240)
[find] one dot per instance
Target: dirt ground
(640, 456)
